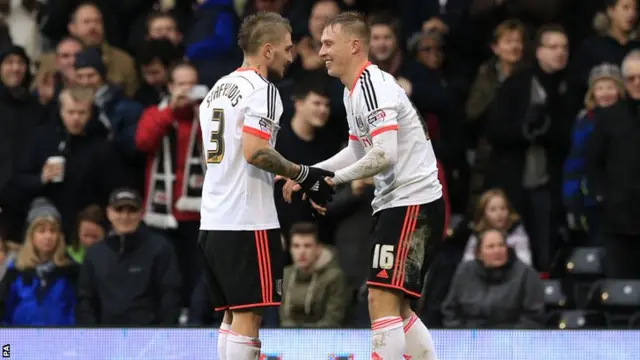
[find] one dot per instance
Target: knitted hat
(605, 71)
(91, 58)
(41, 207)
(601, 72)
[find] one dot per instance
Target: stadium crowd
(532, 107)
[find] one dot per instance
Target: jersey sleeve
(263, 111)
(381, 101)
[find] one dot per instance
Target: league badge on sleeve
(376, 118)
(270, 357)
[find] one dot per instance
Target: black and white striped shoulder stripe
(272, 97)
(368, 90)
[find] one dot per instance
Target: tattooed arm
(259, 153)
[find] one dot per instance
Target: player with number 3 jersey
(239, 231)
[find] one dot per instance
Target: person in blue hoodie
(39, 286)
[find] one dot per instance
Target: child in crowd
(495, 212)
(38, 288)
(606, 87)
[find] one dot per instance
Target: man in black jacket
(21, 114)
(132, 277)
(529, 130)
(614, 174)
(69, 160)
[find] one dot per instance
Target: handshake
(313, 183)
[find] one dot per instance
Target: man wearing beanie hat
(118, 114)
(21, 114)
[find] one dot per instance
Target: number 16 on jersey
(383, 257)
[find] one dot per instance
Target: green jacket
(315, 299)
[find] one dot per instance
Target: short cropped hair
(261, 28)
(179, 65)
(160, 15)
(353, 23)
(506, 27)
(548, 29)
(385, 19)
(304, 228)
(314, 83)
(77, 93)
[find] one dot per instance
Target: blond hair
(354, 24)
(480, 222)
(590, 99)
(260, 29)
(28, 257)
(76, 93)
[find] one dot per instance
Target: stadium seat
(577, 319)
(554, 295)
(619, 299)
(585, 261)
(583, 266)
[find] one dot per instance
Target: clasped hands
(316, 184)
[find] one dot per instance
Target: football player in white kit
(239, 230)
(387, 141)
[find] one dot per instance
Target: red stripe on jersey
(358, 77)
(382, 129)
(259, 133)
(353, 137)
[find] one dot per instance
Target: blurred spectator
(313, 287)
(507, 46)
(200, 313)
(163, 25)
(210, 42)
(8, 255)
(605, 89)
(154, 60)
(529, 130)
(5, 37)
(68, 160)
(169, 134)
(48, 85)
(495, 212)
(496, 290)
(90, 229)
(533, 12)
(86, 25)
(308, 47)
(614, 174)
(615, 39)
(118, 114)
(299, 142)
(39, 287)
(22, 20)
(21, 114)
(130, 278)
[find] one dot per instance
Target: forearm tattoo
(270, 160)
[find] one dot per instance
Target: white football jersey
(377, 104)
(235, 194)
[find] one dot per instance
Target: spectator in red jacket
(168, 133)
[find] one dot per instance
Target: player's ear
(355, 46)
(267, 51)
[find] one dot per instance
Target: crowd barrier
(200, 344)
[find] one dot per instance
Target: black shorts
(405, 241)
(242, 269)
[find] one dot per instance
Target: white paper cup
(59, 162)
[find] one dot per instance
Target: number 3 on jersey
(216, 152)
(383, 257)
